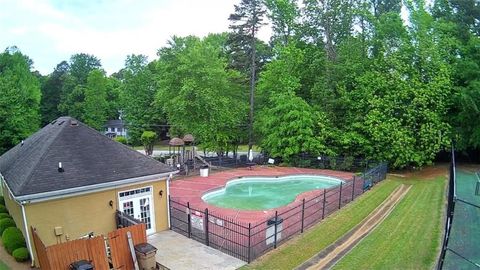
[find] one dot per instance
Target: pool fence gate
(248, 241)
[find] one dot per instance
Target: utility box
(274, 224)
(204, 171)
(146, 256)
(81, 265)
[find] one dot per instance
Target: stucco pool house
(68, 180)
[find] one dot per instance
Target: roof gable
(88, 158)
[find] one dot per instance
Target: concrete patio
(178, 252)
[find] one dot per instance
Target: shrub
(148, 139)
(6, 223)
(3, 209)
(121, 139)
(4, 215)
(2, 200)
(20, 254)
(12, 239)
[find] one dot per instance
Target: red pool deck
(191, 189)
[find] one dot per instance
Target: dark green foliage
(2, 200)
(3, 209)
(6, 223)
(19, 98)
(13, 239)
(137, 94)
(21, 254)
(121, 139)
(148, 139)
(4, 215)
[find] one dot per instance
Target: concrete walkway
(178, 252)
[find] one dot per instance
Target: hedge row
(12, 237)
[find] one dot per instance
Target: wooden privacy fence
(60, 256)
(119, 249)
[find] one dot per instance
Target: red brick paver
(191, 189)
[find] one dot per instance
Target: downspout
(168, 200)
(27, 231)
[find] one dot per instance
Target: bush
(6, 223)
(13, 239)
(21, 254)
(2, 200)
(3, 209)
(4, 215)
(121, 139)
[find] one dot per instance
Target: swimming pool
(262, 193)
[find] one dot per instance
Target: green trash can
(146, 256)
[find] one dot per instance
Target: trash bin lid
(145, 248)
(81, 265)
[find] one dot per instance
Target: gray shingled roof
(117, 123)
(88, 158)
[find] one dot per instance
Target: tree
(148, 140)
(245, 23)
(19, 98)
(95, 107)
(291, 127)
(457, 22)
(284, 15)
(52, 91)
(137, 94)
(73, 95)
(197, 93)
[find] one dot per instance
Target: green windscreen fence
(463, 250)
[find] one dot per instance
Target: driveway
(178, 252)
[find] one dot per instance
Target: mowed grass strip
(410, 237)
(303, 247)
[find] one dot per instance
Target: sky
(50, 31)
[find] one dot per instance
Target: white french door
(138, 204)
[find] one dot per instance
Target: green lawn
(300, 249)
(3, 266)
(409, 238)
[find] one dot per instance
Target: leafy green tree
(284, 16)
(73, 95)
(197, 93)
(245, 23)
(95, 107)
(52, 91)
(137, 95)
(148, 139)
(19, 98)
(458, 24)
(291, 127)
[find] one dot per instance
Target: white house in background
(114, 128)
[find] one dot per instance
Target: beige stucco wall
(80, 215)
(14, 209)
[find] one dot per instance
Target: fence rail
(248, 241)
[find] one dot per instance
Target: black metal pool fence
(248, 241)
